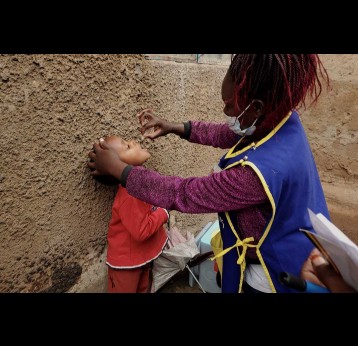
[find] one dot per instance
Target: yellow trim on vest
(273, 205)
(234, 164)
(216, 240)
(274, 131)
(231, 225)
(244, 243)
(230, 153)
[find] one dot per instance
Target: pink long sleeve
(217, 135)
(234, 189)
(238, 188)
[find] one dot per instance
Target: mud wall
(54, 217)
(332, 128)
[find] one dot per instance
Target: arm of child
(142, 222)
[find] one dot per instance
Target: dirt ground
(180, 284)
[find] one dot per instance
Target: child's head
(129, 152)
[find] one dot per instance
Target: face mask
(234, 124)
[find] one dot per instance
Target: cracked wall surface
(54, 216)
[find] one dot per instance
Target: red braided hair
(281, 81)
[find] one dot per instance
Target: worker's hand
(152, 126)
(318, 271)
(105, 160)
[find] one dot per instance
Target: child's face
(129, 152)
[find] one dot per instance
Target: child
(136, 235)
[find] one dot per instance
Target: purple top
(237, 188)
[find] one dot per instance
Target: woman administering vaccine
(262, 186)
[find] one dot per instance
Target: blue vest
(285, 165)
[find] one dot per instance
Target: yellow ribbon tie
(243, 243)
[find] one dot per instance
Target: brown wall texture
(54, 217)
(332, 128)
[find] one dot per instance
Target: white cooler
(204, 272)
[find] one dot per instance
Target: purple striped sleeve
(217, 135)
(233, 189)
(237, 188)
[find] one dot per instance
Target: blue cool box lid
(206, 237)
